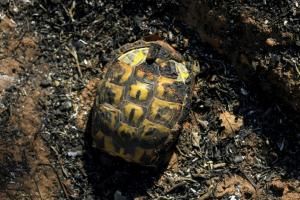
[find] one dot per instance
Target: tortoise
(141, 102)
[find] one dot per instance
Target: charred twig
(73, 52)
(293, 63)
(43, 8)
(71, 11)
(297, 70)
(219, 165)
(38, 189)
(251, 181)
(175, 186)
(208, 194)
(188, 179)
(181, 153)
(164, 198)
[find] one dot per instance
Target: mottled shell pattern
(140, 102)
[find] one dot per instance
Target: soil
(233, 144)
(260, 38)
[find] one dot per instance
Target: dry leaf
(173, 163)
(231, 123)
(195, 138)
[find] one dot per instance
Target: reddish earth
(235, 185)
(41, 180)
(287, 190)
(86, 99)
(250, 35)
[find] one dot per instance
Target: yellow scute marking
(99, 135)
(142, 88)
(97, 139)
(183, 73)
(112, 115)
(150, 126)
(160, 90)
(140, 74)
(138, 112)
(134, 57)
(126, 129)
(139, 57)
(137, 156)
(166, 110)
(126, 73)
(143, 75)
(108, 145)
(138, 153)
(117, 90)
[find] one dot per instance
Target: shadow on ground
(112, 177)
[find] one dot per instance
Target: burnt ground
(234, 144)
(261, 38)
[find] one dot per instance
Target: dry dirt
(39, 179)
(260, 38)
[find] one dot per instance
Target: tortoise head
(192, 64)
(195, 67)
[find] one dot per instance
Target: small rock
(203, 123)
(4, 2)
(45, 83)
(74, 153)
(66, 106)
(56, 83)
(238, 159)
(118, 196)
(170, 36)
(195, 138)
(244, 92)
(185, 42)
(271, 42)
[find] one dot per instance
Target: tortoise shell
(141, 101)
